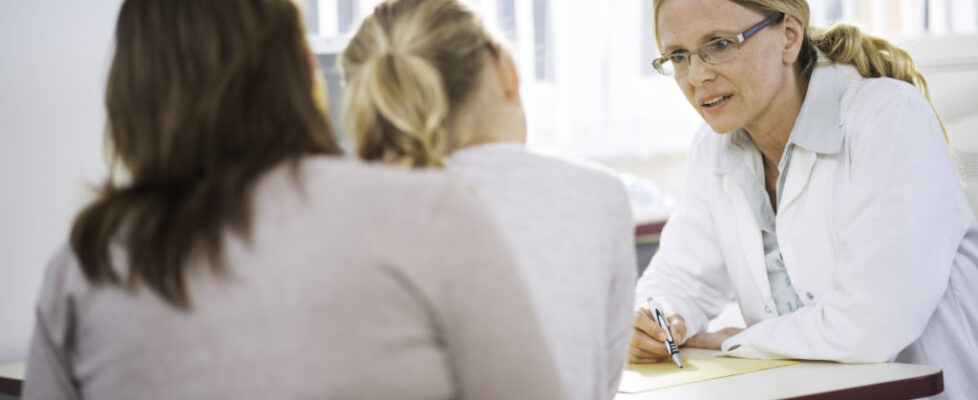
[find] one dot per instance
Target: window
(588, 88)
(898, 20)
(543, 49)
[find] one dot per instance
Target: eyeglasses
(713, 52)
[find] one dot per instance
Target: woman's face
(737, 92)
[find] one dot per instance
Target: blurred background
(588, 88)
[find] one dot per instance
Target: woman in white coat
(820, 194)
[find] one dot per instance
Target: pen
(660, 318)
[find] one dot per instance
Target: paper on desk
(646, 377)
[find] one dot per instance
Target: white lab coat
(874, 229)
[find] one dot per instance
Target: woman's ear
(509, 79)
(794, 35)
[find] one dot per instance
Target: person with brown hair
(239, 257)
(820, 194)
(428, 87)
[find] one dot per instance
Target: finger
(636, 355)
(645, 323)
(675, 319)
(635, 350)
(698, 341)
(677, 326)
(641, 340)
(639, 360)
(643, 357)
(705, 340)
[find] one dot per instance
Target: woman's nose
(700, 72)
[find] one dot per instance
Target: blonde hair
(872, 56)
(411, 63)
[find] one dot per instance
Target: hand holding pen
(660, 319)
(649, 343)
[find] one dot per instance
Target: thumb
(677, 326)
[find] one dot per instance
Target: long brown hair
(407, 68)
(203, 96)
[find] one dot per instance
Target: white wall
(54, 56)
(950, 65)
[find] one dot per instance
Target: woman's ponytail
(397, 107)
(407, 67)
(874, 57)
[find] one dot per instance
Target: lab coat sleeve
(688, 275)
(621, 291)
(896, 242)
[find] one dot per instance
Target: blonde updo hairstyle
(872, 56)
(407, 68)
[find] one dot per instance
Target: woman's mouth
(716, 103)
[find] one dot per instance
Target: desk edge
(910, 388)
(10, 386)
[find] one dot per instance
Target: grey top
(359, 282)
(570, 228)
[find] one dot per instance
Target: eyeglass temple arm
(754, 29)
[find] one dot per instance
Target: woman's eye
(721, 44)
(678, 58)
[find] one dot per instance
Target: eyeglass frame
(736, 40)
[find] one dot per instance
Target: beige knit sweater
(358, 282)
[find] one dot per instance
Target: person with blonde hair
(241, 258)
(428, 87)
(820, 193)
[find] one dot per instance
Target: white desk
(809, 380)
(11, 376)
(805, 380)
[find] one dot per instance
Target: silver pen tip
(678, 360)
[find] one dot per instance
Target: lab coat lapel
(817, 131)
(799, 172)
(734, 169)
(750, 236)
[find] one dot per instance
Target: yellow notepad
(646, 377)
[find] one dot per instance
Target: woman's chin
(720, 126)
(725, 122)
